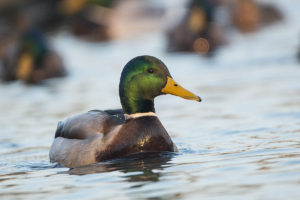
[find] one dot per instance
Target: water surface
(241, 142)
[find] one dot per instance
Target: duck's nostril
(175, 85)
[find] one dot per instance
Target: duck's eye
(150, 70)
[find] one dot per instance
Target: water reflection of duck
(100, 135)
(30, 59)
(142, 162)
(197, 31)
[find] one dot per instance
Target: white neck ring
(137, 115)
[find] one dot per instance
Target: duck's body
(101, 135)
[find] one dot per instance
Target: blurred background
(63, 57)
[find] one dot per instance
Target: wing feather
(89, 124)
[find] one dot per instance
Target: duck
(197, 32)
(100, 135)
(31, 60)
(250, 15)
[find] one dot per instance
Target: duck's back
(88, 124)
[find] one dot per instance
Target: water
(241, 142)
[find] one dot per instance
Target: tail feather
(59, 129)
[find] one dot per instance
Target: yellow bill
(174, 88)
(197, 20)
(25, 66)
(70, 7)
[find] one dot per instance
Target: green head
(34, 43)
(142, 79)
(33, 48)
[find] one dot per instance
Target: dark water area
(241, 142)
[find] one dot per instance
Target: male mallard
(100, 135)
(251, 15)
(197, 31)
(32, 60)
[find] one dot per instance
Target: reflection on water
(136, 168)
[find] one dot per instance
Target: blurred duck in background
(85, 18)
(30, 59)
(25, 53)
(42, 14)
(197, 31)
(202, 28)
(249, 15)
(89, 19)
(100, 20)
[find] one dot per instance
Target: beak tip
(199, 99)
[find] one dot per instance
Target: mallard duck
(32, 60)
(197, 31)
(251, 15)
(100, 135)
(89, 19)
